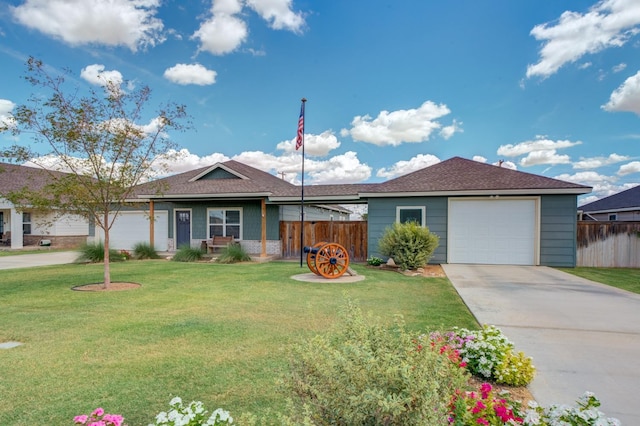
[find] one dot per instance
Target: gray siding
(558, 223)
(251, 218)
(382, 213)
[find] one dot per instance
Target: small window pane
(409, 215)
(216, 216)
(233, 216)
(233, 231)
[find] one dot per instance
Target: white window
(26, 223)
(225, 222)
(411, 214)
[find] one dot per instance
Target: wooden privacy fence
(352, 235)
(608, 244)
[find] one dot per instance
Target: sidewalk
(37, 259)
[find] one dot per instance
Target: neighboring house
(623, 206)
(30, 227)
(482, 213)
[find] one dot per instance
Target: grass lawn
(209, 332)
(9, 252)
(624, 278)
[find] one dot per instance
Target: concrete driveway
(582, 335)
(37, 259)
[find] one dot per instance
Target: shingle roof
(249, 181)
(628, 199)
(14, 177)
(460, 174)
(450, 176)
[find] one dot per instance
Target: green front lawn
(624, 278)
(209, 332)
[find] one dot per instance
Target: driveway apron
(582, 335)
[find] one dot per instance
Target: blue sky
(549, 87)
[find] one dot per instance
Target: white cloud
(593, 179)
(595, 162)
(223, 32)
(620, 67)
(400, 168)
(538, 144)
(585, 65)
(6, 107)
(278, 14)
(448, 131)
(609, 23)
(479, 159)
(626, 97)
(396, 127)
(190, 74)
(130, 23)
(506, 164)
(315, 145)
(345, 168)
(96, 75)
(544, 157)
(627, 169)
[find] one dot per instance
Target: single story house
(623, 206)
(29, 227)
(483, 214)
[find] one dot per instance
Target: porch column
(152, 221)
(17, 239)
(263, 250)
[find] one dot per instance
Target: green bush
(408, 244)
(516, 369)
(144, 251)
(188, 254)
(233, 253)
(365, 373)
(374, 261)
(94, 253)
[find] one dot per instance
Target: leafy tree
(96, 139)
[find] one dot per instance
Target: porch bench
(218, 242)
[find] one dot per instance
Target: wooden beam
(152, 221)
(263, 250)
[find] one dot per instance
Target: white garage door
(132, 227)
(494, 232)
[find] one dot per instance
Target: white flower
(176, 401)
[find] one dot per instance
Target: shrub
(94, 253)
(365, 373)
(516, 369)
(484, 408)
(408, 244)
(233, 253)
(374, 261)
(585, 413)
(188, 254)
(193, 414)
(144, 251)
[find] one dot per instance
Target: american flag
(300, 137)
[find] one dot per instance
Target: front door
(183, 228)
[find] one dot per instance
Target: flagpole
(300, 142)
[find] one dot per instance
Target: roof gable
(628, 199)
(218, 171)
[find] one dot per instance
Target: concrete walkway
(582, 335)
(38, 259)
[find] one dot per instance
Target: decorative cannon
(329, 260)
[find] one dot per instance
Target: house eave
(202, 196)
(483, 192)
(318, 199)
(613, 210)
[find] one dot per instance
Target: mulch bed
(114, 286)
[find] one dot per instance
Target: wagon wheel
(311, 257)
(332, 260)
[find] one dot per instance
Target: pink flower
(485, 389)
(478, 408)
(80, 419)
(115, 419)
(97, 412)
(482, 421)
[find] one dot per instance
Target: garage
(132, 227)
(494, 231)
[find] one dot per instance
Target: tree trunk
(107, 271)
